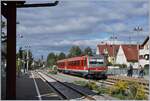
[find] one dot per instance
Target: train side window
(78, 63)
(84, 62)
(69, 63)
(72, 63)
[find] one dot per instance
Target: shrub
(81, 83)
(121, 65)
(92, 85)
(102, 90)
(136, 91)
(128, 90)
(124, 66)
(109, 64)
(52, 71)
(119, 89)
(140, 95)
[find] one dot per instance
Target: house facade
(119, 54)
(144, 53)
(109, 50)
(127, 54)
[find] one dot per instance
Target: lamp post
(138, 29)
(27, 47)
(113, 39)
(88, 68)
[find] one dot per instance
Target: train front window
(96, 62)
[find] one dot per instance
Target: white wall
(121, 59)
(143, 52)
(97, 50)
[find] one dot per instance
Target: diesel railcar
(87, 66)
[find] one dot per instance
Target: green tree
(61, 56)
(88, 51)
(22, 54)
(51, 59)
(75, 51)
(18, 66)
(30, 58)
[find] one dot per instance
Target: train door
(65, 64)
(88, 63)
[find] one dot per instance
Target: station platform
(29, 87)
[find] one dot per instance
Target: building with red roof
(119, 54)
(110, 50)
(127, 54)
(144, 53)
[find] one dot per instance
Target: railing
(123, 71)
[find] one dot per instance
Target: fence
(123, 71)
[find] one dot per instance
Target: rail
(60, 93)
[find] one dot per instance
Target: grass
(81, 83)
(52, 72)
(92, 86)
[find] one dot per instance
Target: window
(96, 62)
(146, 56)
(85, 63)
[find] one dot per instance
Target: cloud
(80, 22)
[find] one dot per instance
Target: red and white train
(87, 66)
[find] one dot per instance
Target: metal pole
(113, 39)
(27, 59)
(11, 51)
(138, 29)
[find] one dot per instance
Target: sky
(80, 22)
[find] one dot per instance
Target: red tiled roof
(130, 51)
(109, 49)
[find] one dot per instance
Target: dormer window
(146, 56)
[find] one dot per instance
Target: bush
(102, 90)
(124, 66)
(121, 65)
(52, 71)
(128, 90)
(136, 91)
(92, 85)
(109, 64)
(140, 95)
(81, 83)
(119, 87)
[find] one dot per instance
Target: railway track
(65, 91)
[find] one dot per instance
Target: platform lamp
(113, 46)
(138, 29)
(27, 47)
